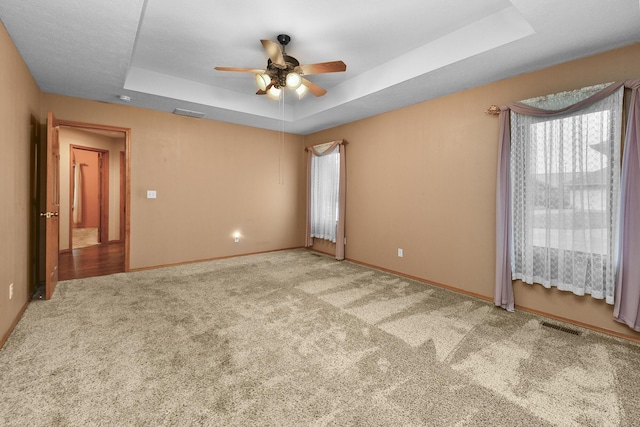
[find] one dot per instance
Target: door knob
(48, 215)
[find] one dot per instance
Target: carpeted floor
(293, 338)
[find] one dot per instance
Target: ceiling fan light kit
(263, 81)
(274, 92)
(285, 71)
(294, 80)
(301, 91)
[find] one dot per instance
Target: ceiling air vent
(189, 113)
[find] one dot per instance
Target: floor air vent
(561, 328)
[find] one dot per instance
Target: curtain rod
(494, 110)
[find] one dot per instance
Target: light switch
(151, 194)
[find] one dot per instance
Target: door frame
(103, 156)
(123, 191)
(127, 171)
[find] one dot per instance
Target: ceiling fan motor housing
(279, 75)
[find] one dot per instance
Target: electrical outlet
(11, 291)
(400, 252)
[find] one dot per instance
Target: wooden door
(52, 204)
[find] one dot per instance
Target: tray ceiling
(162, 53)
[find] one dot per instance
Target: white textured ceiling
(162, 53)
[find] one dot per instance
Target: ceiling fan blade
(241, 70)
(274, 52)
(313, 88)
(324, 67)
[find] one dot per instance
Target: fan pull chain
(280, 174)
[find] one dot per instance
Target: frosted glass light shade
(293, 80)
(274, 92)
(263, 80)
(302, 89)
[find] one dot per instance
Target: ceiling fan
(285, 71)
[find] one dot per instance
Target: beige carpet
(293, 338)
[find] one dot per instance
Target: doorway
(94, 200)
(89, 197)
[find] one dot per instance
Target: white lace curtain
(326, 194)
(325, 188)
(565, 188)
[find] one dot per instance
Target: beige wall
(212, 179)
(423, 179)
(19, 100)
(74, 136)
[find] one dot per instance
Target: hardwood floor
(97, 260)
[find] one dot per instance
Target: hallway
(97, 260)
